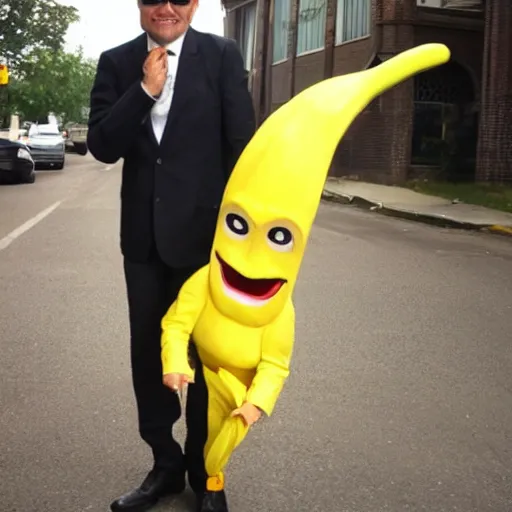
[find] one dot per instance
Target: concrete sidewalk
(407, 204)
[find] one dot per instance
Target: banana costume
(238, 308)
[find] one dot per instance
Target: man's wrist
(144, 87)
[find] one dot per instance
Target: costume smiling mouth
(246, 290)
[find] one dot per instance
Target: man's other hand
(155, 71)
(249, 413)
(176, 381)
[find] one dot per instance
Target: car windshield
(45, 130)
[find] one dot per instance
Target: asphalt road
(400, 397)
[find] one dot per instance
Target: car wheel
(31, 178)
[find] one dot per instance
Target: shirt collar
(175, 46)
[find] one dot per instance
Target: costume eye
(236, 225)
(280, 239)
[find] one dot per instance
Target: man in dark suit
(174, 105)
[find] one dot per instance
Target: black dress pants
(152, 287)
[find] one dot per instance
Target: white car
(46, 144)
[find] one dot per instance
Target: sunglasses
(157, 2)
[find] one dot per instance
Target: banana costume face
(256, 256)
(239, 308)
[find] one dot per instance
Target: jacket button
(157, 200)
(159, 161)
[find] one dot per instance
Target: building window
(281, 29)
(353, 20)
(311, 25)
(445, 125)
(246, 32)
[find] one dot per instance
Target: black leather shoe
(212, 501)
(157, 484)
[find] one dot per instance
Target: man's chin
(167, 35)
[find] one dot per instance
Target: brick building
(426, 126)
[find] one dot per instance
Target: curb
(500, 230)
(433, 220)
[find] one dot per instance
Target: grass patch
(498, 197)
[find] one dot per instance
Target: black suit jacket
(170, 193)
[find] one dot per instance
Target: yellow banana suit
(238, 309)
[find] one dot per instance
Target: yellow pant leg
(225, 394)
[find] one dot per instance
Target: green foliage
(43, 77)
(53, 81)
(30, 24)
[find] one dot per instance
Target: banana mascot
(239, 308)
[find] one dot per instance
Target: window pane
(352, 20)
(247, 33)
(311, 26)
(281, 27)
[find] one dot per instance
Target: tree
(54, 81)
(30, 24)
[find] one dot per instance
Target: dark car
(16, 163)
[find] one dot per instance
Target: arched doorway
(445, 129)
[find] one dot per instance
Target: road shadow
(185, 502)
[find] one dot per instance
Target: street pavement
(400, 397)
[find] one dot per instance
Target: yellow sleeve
(274, 367)
(179, 322)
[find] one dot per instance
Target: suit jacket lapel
(187, 77)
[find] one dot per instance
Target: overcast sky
(107, 23)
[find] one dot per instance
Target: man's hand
(176, 381)
(155, 71)
(250, 413)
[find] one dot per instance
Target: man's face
(165, 22)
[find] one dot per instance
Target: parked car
(46, 145)
(16, 163)
(76, 138)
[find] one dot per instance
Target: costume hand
(249, 412)
(176, 381)
(155, 71)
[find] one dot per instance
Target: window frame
(313, 50)
(287, 22)
(240, 16)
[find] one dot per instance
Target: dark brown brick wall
(377, 146)
(309, 69)
(281, 83)
(351, 57)
(366, 153)
(494, 160)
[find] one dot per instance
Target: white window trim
(310, 52)
(238, 6)
(362, 38)
(282, 61)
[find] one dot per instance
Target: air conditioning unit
(430, 3)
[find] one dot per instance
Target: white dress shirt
(161, 108)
